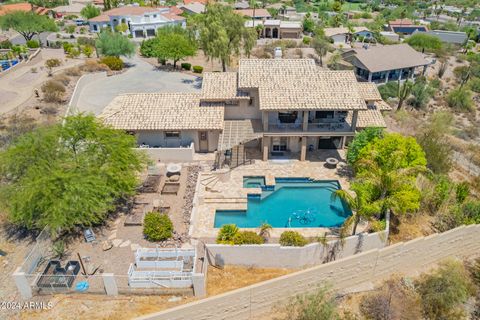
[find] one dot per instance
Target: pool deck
(223, 190)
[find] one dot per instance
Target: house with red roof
(141, 22)
(405, 27)
(22, 6)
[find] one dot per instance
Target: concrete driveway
(95, 91)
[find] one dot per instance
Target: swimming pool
(292, 203)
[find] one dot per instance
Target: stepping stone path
(125, 244)
(117, 242)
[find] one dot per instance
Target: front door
(203, 141)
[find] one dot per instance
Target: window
(172, 134)
(287, 117)
(324, 114)
(95, 27)
(154, 15)
(231, 103)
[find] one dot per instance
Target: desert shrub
(62, 78)
(70, 29)
(378, 225)
(50, 110)
(113, 63)
(73, 72)
(460, 99)
(247, 237)
(393, 300)
(85, 41)
(443, 291)
(474, 85)
(292, 239)
(425, 41)
(157, 226)
(5, 44)
(67, 46)
(33, 44)
(93, 66)
(306, 40)
(50, 64)
(186, 66)
(87, 51)
(53, 91)
(197, 69)
(59, 249)
(226, 234)
(73, 52)
(388, 90)
(319, 305)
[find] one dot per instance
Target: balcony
(332, 125)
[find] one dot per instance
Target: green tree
(114, 44)
(359, 204)
(404, 91)
(172, 43)
(321, 47)
(363, 138)
(67, 176)
(90, 11)
(434, 141)
(28, 24)
(423, 41)
(387, 169)
(221, 33)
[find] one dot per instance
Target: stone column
(400, 75)
(354, 120)
(22, 284)
(110, 284)
(305, 120)
(265, 147)
(370, 74)
(387, 75)
(265, 120)
(303, 150)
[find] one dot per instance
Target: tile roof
(368, 118)
(22, 6)
(163, 111)
(236, 132)
(100, 18)
(130, 11)
(298, 84)
(259, 13)
(391, 57)
(369, 91)
(194, 1)
(329, 32)
(221, 86)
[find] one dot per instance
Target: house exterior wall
(157, 139)
(339, 38)
(242, 111)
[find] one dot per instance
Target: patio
(223, 189)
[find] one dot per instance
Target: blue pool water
(292, 203)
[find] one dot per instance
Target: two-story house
(141, 22)
(280, 107)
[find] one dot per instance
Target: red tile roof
(259, 13)
(193, 1)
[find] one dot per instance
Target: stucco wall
(170, 154)
(274, 255)
(375, 265)
(242, 111)
(157, 138)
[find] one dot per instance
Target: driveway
(95, 91)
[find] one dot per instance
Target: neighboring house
(22, 6)
(387, 63)
(192, 8)
(141, 21)
(204, 2)
(453, 37)
(391, 36)
(281, 107)
(405, 27)
(257, 14)
(277, 29)
(72, 9)
(241, 5)
(343, 35)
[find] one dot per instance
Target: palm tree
(358, 204)
(265, 231)
(390, 187)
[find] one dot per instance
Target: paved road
(95, 91)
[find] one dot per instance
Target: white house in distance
(141, 21)
(277, 29)
(342, 35)
(274, 107)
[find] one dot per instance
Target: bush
(53, 91)
(186, 66)
(388, 90)
(474, 85)
(226, 234)
(157, 226)
(114, 63)
(147, 48)
(84, 41)
(52, 63)
(425, 41)
(318, 305)
(62, 78)
(247, 237)
(67, 46)
(5, 44)
(292, 239)
(197, 69)
(33, 44)
(361, 140)
(93, 66)
(460, 99)
(70, 29)
(444, 291)
(73, 72)
(306, 40)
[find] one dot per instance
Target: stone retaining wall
(409, 258)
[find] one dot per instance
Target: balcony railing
(333, 125)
